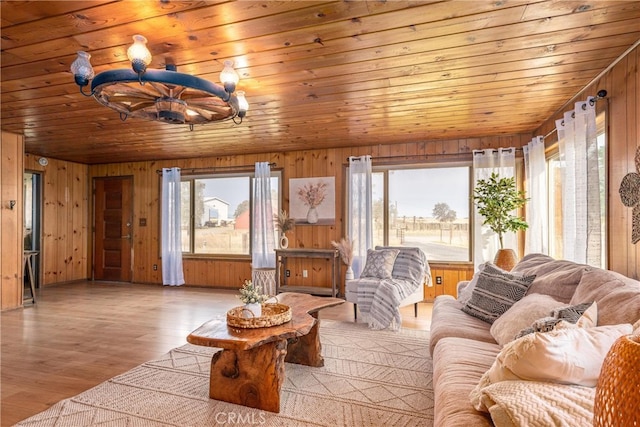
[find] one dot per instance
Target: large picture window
(216, 213)
(427, 207)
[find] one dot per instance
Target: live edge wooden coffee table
(249, 370)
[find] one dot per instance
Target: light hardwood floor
(78, 335)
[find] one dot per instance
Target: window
(554, 173)
(216, 213)
(427, 207)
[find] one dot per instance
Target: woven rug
(370, 378)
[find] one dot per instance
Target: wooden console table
(330, 255)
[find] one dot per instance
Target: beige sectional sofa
(463, 347)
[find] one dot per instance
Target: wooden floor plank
(80, 334)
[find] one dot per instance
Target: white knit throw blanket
(379, 301)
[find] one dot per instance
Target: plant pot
(252, 310)
(284, 242)
(312, 215)
(349, 274)
(506, 259)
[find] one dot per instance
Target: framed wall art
(312, 200)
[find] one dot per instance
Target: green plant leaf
(496, 199)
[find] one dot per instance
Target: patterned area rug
(370, 378)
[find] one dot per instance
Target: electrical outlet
(438, 280)
(305, 273)
(287, 273)
(155, 267)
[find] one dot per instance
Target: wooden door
(113, 217)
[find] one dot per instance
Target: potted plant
(284, 224)
(497, 199)
(252, 299)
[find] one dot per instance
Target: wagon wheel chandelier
(162, 95)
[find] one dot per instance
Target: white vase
(252, 310)
(284, 241)
(312, 215)
(349, 274)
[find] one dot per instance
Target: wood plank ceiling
(316, 74)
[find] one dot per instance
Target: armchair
(381, 297)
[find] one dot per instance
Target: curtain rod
(214, 168)
(600, 95)
(600, 75)
(421, 156)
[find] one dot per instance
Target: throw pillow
(569, 355)
(521, 315)
(379, 263)
(495, 292)
(410, 264)
(572, 314)
(465, 293)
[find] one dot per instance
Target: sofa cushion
(558, 278)
(566, 355)
(448, 320)
(379, 263)
(618, 296)
(458, 365)
(495, 292)
(521, 315)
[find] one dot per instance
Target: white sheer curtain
(501, 161)
(581, 223)
(263, 236)
(537, 235)
(172, 273)
(359, 210)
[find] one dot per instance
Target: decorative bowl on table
(273, 314)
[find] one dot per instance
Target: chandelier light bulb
(81, 69)
(243, 105)
(229, 77)
(138, 54)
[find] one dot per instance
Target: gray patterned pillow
(411, 264)
(495, 292)
(380, 263)
(570, 314)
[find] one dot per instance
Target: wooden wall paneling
(632, 62)
(619, 144)
(430, 293)
(450, 281)
(141, 251)
(50, 260)
(634, 142)
(62, 218)
(11, 221)
(78, 203)
(152, 234)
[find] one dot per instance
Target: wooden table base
(251, 377)
(306, 349)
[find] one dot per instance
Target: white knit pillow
(566, 355)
